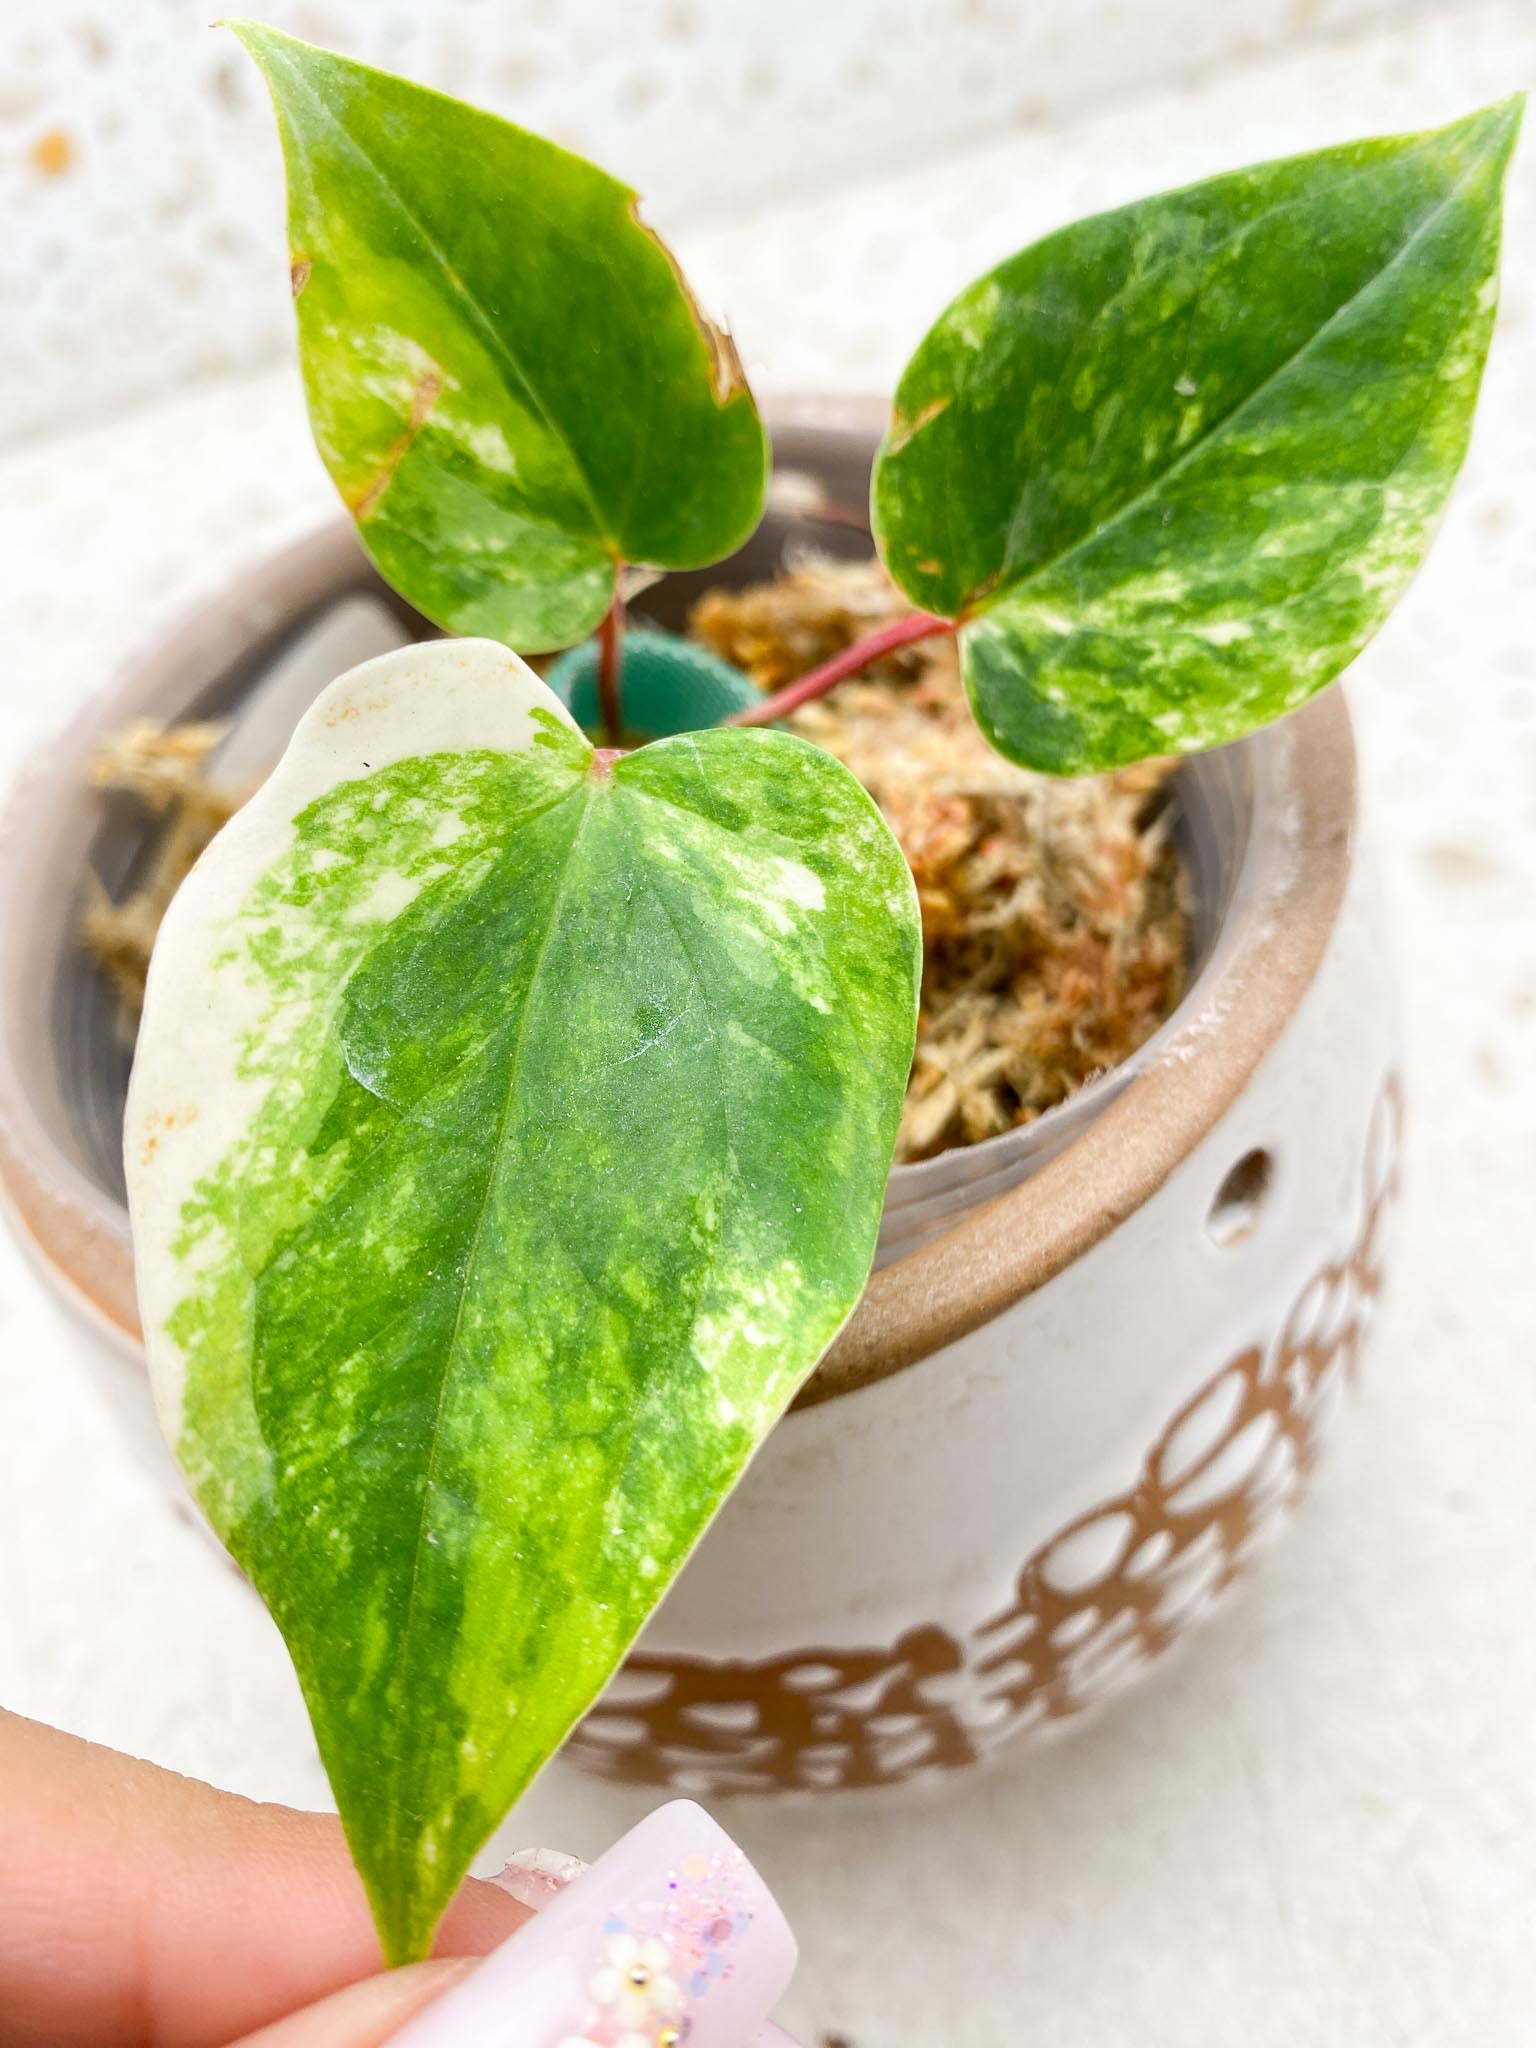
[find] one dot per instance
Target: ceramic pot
(1098, 1356)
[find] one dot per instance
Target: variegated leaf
(507, 1140)
(1174, 465)
(508, 377)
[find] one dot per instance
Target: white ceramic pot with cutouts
(1098, 1356)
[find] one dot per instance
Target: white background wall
(143, 245)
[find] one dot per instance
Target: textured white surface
(1318, 1828)
(137, 152)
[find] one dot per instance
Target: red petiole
(610, 667)
(900, 632)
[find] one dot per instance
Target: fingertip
(364, 2015)
(482, 1915)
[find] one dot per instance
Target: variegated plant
(510, 1119)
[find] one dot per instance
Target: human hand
(143, 1910)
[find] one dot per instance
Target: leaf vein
(1219, 429)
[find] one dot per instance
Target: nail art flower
(635, 1987)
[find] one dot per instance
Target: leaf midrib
(1111, 308)
(583, 794)
(623, 791)
(1203, 442)
(494, 339)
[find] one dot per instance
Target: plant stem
(898, 633)
(610, 667)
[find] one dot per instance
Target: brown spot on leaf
(298, 274)
(53, 153)
(167, 1120)
(978, 596)
(728, 376)
(429, 388)
(903, 430)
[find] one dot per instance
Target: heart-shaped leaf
(1174, 465)
(508, 378)
(507, 1141)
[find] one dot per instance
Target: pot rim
(1277, 935)
(1272, 941)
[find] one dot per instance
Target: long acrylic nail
(536, 1877)
(670, 1936)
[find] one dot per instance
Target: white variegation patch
(192, 1095)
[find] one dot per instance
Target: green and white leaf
(508, 378)
(1173, 466)
(507, 1140)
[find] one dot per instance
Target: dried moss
(1055, 913)
(165, 769)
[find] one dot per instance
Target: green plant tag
(508, 377)
(507, 1140)
(1173, 466)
